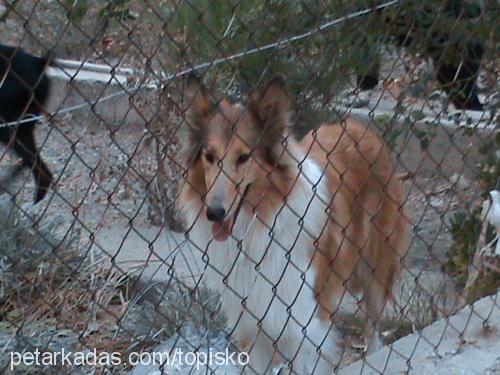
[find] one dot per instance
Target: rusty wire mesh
(127, 250)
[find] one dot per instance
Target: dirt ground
(43, 25)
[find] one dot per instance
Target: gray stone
(465, 343)
(173, 354)
(5, 204)
(460, 181)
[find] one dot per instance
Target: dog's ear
(271, 107)
(198, 102)
(198, 106)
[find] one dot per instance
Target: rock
(179, 362)
(460, 181)
(6, 204)
(435, 202)
(494, 369)
(465, 343)
(357, 98)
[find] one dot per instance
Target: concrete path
(153, 253)
(466, 343)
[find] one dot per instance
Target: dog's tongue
(222, 231)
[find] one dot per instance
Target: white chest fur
(264, 274)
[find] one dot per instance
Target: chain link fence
(171, 203)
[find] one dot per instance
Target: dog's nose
(215, 213)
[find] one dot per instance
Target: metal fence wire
(256, 186)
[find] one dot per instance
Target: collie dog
(285, 228)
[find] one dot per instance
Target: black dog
(24, 89)
(456, 58)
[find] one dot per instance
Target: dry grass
(159, 164)
(54, 294)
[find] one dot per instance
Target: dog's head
(231, 146)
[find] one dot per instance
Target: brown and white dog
(287, 227)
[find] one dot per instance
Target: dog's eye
(243, 158)
(209, 158)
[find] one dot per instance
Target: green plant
(77, 9)
(117, 10)
(489, 168)
(466, 229)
